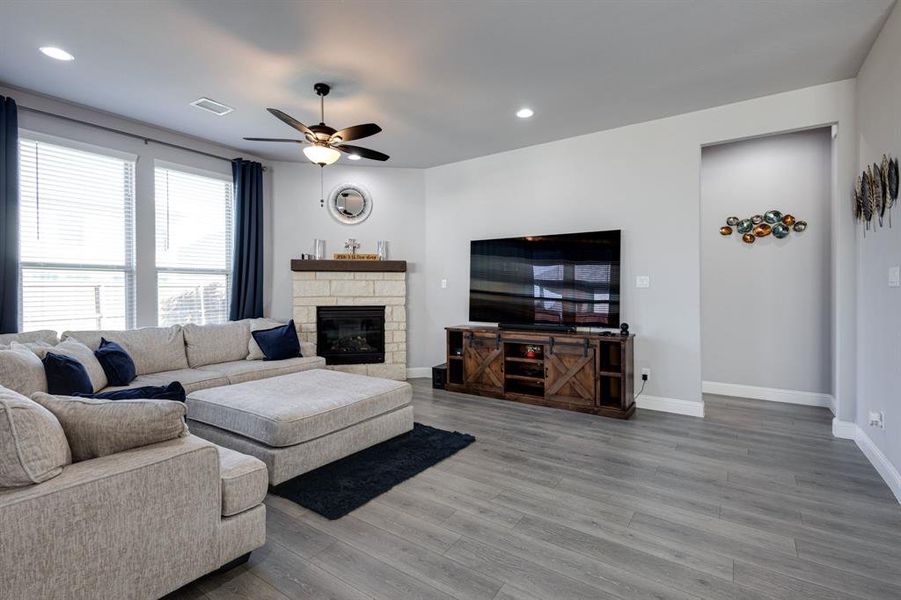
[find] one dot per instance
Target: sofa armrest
(135, 524)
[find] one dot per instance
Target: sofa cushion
(253, 349)
(85, 356)
(33, 446)
(21, 370)
(153, 349)
(65, 375)
(173, 391)
(191, 379)
(209, 344)
(96, 428)
(278, 343)
(245, 481)
(116, 362)
(48, 336)
(240, 371)
(295, 408)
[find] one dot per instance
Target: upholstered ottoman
(298, 422)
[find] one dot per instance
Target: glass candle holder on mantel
(319, 249)
(382, 250)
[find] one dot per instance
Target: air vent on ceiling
(217, 108)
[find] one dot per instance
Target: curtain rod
(143, 138)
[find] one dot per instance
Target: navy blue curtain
(247, 269)
(9, 216)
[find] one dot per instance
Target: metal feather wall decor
(875, 193)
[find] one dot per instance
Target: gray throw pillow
(33, 446)
(97, 427)
(21, 370)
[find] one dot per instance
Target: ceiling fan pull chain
(321, 188)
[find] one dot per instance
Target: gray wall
(398, 215)
(879, 326)
(645, 180)
(766, 307)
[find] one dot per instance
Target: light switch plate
(443, 284)
(643, 281)
(894, 276)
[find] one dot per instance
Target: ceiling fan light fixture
(321, 155)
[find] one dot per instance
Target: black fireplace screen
(350, 335)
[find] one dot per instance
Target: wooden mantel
(371, 266)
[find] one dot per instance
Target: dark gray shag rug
(347, 484)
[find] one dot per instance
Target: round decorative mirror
(350, 203)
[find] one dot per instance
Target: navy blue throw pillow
(173, 391)
(278, 343)
(116, 363)
(66, 376)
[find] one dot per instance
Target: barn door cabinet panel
(585, 372)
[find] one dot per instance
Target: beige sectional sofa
(144, 522)
(197, 356)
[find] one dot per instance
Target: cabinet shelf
(585, 372)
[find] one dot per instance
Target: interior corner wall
(645, 180)
(147, 154)
(398, 216)
(766, 310)
(879, 324)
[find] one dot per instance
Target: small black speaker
(439, 376)
(624, 329)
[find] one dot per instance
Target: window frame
(128, 269)
(228, 271)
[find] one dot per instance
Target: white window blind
(76, 238)
(194, 230)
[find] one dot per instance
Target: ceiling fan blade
(362, 152)
(255, 139)
(286, 118)
(356, 132)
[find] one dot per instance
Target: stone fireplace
(355, 312)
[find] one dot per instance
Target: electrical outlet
(877, 419)
(643, 281)
(645, 374)
(894, 277)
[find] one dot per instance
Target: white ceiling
(443, 79)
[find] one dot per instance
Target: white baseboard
(772, 394)
(670, 405)
(851, 431)
(417, 372)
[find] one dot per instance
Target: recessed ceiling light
(217, 108)
(525, 113)
(57, 53)
(353, 156)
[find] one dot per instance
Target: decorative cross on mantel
(352, 244)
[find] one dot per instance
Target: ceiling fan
(323, 145)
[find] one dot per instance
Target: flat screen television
(567, 280)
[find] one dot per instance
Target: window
(193, 247)
(76, 238)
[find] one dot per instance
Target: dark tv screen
(570, 279)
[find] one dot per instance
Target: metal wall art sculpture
(875, 193)
(758, 226)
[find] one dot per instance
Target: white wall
(398, 215)
(645, 180)
(879, 328)
(145, 216)
(766, 307)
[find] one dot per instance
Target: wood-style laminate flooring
(755, 501)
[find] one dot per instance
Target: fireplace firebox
(350, 335)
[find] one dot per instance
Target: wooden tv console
(586, 372)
